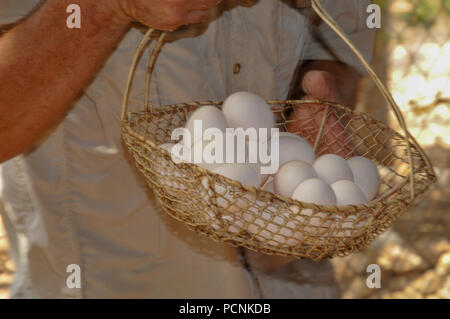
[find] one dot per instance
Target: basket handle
(137, 55)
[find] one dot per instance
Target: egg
(293, 147)
(244, 173)
(318, 192)
(366, 175)
(348, 193)
(290, 175)
(210, 117)
(232, 203)
(247, 110)
(315, 191)
(197, 152)
(332, 168)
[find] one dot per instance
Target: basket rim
(344, 209)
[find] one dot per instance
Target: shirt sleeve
(11, 11)
(325, 44)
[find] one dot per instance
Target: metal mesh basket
(229, 211)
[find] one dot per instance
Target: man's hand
(327, 81)
(165, 15)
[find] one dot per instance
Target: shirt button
(236, 68)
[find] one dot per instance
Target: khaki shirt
(76, 199)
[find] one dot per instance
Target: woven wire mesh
(226, 210)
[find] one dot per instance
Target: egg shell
(348, 193)
(210, 116)
(315, 191)
(332, 168)
(243, 173)
(288, 134)
(247, 110)
(366, 175)
(197, 150)
(293, 148)
(290, 175)
(203, 148)
(318, 192)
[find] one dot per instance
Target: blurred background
(413, 57)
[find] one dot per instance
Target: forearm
(44, 66)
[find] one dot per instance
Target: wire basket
(241, 215)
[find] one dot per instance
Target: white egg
(288, 134)
(348, 193)
(244, 173)
(247, 110)
(210, 117)
(292, 148)
(226, 198)
(332, 168)
(290, 175)
(315, 191)
(197, 152)
(366, 175)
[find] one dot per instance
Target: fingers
(177, 17)
(320, 85)
(184, 12)
(306, 121)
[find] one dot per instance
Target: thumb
(320, 85)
